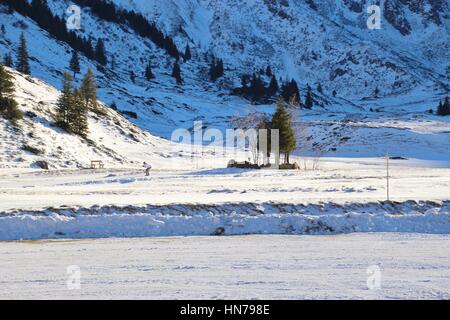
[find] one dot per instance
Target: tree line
(443, 109)
(255, 89)
(73, 104)
(136, 21)
(39, 12)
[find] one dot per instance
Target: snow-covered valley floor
(342, 197)
(242, 267)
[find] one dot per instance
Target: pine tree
(3, 30)
(78, 115)
(100, 52)
(444, 108)
(6, 84)
(75, 63)
(64, 103)
(8, 60)
(269, 72)
(23, 65)
(290, 89)
(281, 120)
(132, 76)
(319, 88)
(176, 73)
(89, 90)
(216, 69)
(309, 102)
(187, 53)
(334, 93)
(273, 87)
(8, 106)
(440, 110)
(376, 92)
(149, 73)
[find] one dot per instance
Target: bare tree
(247, 127)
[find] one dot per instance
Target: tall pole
(387, 175)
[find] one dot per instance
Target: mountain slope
(112, 138)
(315, 42)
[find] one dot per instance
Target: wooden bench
(97, 163)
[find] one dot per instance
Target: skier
(147, 168)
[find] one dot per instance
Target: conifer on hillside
(75, 63)
(78, 115)
(309, 101)
(23, 64)
(176, 73)
(100, 52)
(149, 72)
(187, 53)
(64, 103)
(8, 106)
(444, 108)
(89, 90)
(273, 88)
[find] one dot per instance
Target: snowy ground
(341, 197)
(337, 180)
(245, 267)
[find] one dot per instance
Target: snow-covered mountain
(111, 138)
(324, 42)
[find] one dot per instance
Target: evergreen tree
(100, 53)
(334, 93)
(133, 77)
(376, 92)
(447, 106)
(281, 120)
(444, 108)
(290, 89)
(187, 53)
(3, 30)
(23, 65)
(8, 60)
(8, 106)
(176, 73)
(89, 90)
(309, 102)
(6, 83)
(149, 73)
(78, 115)
(319, 88)
(257, 89)
(64, 103)
(273, 87)
(269, 72)
(216, 69)
(75, 63)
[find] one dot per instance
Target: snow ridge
(227, 219)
